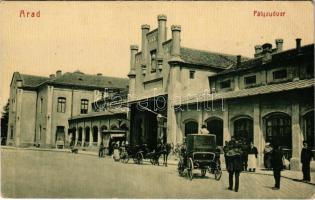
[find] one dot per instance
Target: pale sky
(94, 37)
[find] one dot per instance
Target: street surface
(43, 174)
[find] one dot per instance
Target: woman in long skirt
(252, 157)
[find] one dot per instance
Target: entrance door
(60, 136)
(215, 126)
(279, 130)
(243, 129)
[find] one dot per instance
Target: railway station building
(174, 90)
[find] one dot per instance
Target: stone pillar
(161, 33)
(76, 137)
(258, 135)
(296, 137)
(236, 83)
(49, 135)
(91, 137)
(174, 87)
(226, 123)
(144, 43)
(83, 137)
(132, 72)
(99, 137)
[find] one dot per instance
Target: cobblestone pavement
(43, 174)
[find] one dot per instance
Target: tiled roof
(207, 58)
(276, 57)
(32, 81)
(100, 114)
(307, 83)
(80, 79)
(74, 79)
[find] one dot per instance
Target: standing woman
(234, 164)
(252, 157)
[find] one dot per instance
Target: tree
(4, 123)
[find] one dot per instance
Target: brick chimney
(238, 60)
(58, 73)
(298, 44)
(258, 51)
(161, 34)
(267, 52)
(133, 52)
(175, 51)
(279, 45)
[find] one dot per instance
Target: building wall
(73, 107)
(256, 108)
(28, 118)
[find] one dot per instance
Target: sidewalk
(173, 161)
(293, 175)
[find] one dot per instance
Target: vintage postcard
(157, 99)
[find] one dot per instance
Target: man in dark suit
(277, 165)
(306, 157)
(234, 163)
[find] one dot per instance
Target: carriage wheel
(203, 172)
(190, 167)
(153, 161)
(217, 174)
(139, 158)
(180, 168)
(125, 158)
(134, 158)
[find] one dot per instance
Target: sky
(94, 37)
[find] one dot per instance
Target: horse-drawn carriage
(141, 152)
(200, 152)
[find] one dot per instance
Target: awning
(116, 135)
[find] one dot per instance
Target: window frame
(225, 81)
(61, 104)
(84, 106)
(192, 74)
(153, 61)
(279, 71)
(249, 77)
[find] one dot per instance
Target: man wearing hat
(234, 163)
(306, 157)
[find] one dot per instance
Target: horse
(165, 151)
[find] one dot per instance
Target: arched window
(87, 134)
(104, 128)
(191, 127)
(113, 127)
(309, 129)
(124, 127)
(95, 134)
(80, 134)
(278, 129)
(215, 126)
(243, 129)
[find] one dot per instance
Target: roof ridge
(213, 52)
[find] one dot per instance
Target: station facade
(175, 90)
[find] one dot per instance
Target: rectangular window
(280, 74)
(84, 106)
(153, 60)
(61, 107)
(225, 84)
(249, 80)
(191, 74)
